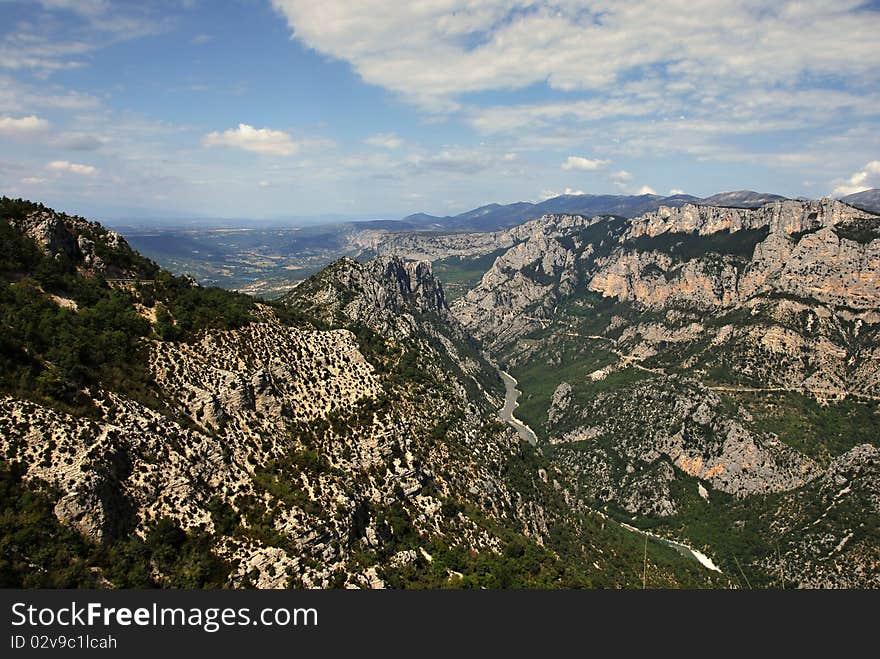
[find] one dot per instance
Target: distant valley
(268, 261)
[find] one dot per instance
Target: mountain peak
(377, 293)
(867, 200)
(89, 246)
(741, 199)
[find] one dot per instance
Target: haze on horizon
(259, 109)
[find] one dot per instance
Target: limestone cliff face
(780, 217)
(398, 298)
(636, 434)
(653, 279)
(703, 261)
(525, 283)
(820, 264)
(823, 266)
(383, 293)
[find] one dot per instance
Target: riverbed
(511, 395)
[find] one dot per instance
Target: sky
(380, 108)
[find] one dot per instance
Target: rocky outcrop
(716, 267)
(49, 231)
(780, 217)
(383, 294)
(654, 279)
(822, 266)
(801, 251)
(837, 548)
(630, 443)
(87, 244)
(559, 403)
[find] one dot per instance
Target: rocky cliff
(169, 435)
(695, 357)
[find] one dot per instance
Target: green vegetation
(568, 351)
(735, 532)
(188, 309)
(54, 349)
(566, 562)
(459, 274)
(686, 246)
(53, 353)
(821, 431)
(36, 551)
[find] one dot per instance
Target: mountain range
(701, 382)
(867, 200)
(269, 260)
(500, 216)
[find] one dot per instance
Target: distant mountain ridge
(492, 217)
(866, 200)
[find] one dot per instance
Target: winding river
(511, 394)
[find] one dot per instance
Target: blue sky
(376, 108)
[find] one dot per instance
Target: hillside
(868, 200)
(698, 364)
(158, 433)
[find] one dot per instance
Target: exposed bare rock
(837, 549)
(48, 229)
(656, 425)
(780, 217)
(560, 402)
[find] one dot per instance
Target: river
(511, 394)
(680, 547)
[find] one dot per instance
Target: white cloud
(504, 119)
(384, 140)
(577, 162)
(504, 44)
(78, 141)
(510, 157)
(675, 191)
(646, 189)
(452, 161)
(33, 180)
(264, 184)
(23, 126)
(73, 29)
(865, 179)
(622, 176)
(18, 97)
(656, 77)
(72, 167)
(550, 194)
(257, 140)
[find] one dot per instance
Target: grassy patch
(539, 378)
(460, 274)
(687, 246)
(819, 431)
